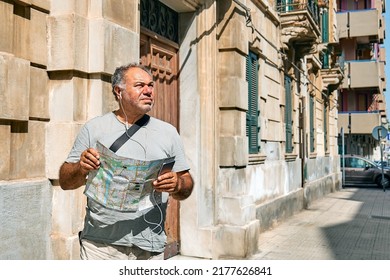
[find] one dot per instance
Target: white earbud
(120, 95)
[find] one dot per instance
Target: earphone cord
(126, 124)
(157, 225)
(127, 127)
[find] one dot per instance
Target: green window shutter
(312, 116)
(325, 39)
(325, 127)
(288, 114)
(325, 26)
(252, 126)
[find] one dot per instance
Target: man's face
(139, 91)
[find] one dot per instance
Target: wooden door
(161, 57)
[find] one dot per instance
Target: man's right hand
(74, 175)
(89, 160)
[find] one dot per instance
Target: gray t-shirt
(155, 140)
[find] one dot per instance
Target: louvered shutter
(288, 114)
(252, 127)
(312, 116)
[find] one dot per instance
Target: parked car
(384, 163)
(362, 171)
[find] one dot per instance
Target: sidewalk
(350, 224)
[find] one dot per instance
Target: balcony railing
(361, 74)
(288, 6)
(360, 23)
(360, 122)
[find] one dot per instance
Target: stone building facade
(231, 57)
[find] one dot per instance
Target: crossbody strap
(126, 136)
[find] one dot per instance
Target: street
(350, 224)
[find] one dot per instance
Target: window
(252, 123)
(325, 39)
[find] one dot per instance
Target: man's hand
(73, 175)
(89, 160)
(179, 185)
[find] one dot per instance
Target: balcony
(382, 77)
(367, 25)
(382, 106)
(361, 122)
(299, 21)
(332, 78)
(362, 74)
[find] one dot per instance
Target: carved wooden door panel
(161, 57)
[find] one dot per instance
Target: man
(139, 234)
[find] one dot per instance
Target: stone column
(198, 118)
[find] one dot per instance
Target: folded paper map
(124, 184)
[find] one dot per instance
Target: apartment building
(251, 86)
(362, 104)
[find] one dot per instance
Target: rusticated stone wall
(56, 58)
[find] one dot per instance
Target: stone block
(237, 210)
(59, 138)
(191, 246)
(39, 93)
(68, 212)
(65, 248)
(5, 150)
(233, 151)
(109, 102)
(271, 213)
(67, 43)
(60, 7)
(233, 242)
(233, 123)
(14, 88)
(25, 215)
(6, 27)
(122, 12)
(233, 182)
(109, 46)
(100, 98)
(68, 97)
(75, 98)
(271, 88)
(233, 37)
(232, 93)
(272, 109)
(229, 58)
(27, 146)
(80, 99)
(21, 34)
(24, 2)
(44, 4)
(272, 74)
(273, 150)
(272, 131)
(38, 40)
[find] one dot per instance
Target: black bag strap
(126, 136)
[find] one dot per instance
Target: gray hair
(118, 78)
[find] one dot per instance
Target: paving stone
(350, 224)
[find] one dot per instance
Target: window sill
(290, 157)
(254, 159)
